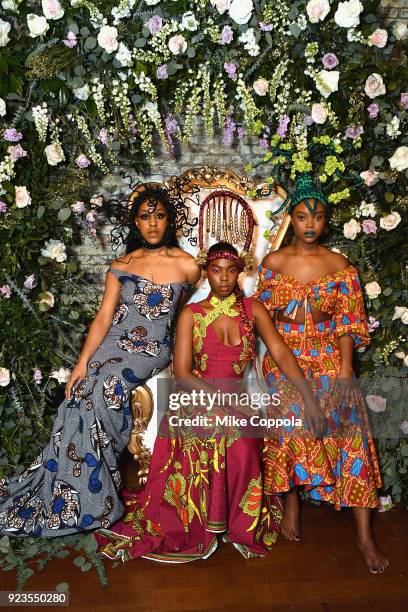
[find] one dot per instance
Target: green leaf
(79, 561)
(40, 211)
(140, 42)
(64, 214)
(90, 43)
(62, 587)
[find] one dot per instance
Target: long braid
(247, 324)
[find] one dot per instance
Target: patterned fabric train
(73, 485)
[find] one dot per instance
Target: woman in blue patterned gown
(74, 483)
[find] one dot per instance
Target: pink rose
(177, 44)
(78, 207)
(404, 100)
(369, 226)
(379, 38)
(370, 177)
(376, 403)
(319, 114)
(351, 229)
(261, 87)
(107, 38)
(30, 282)
(82, 161)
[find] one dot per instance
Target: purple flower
(330, 61)
(308, 120)
(227, 35)
(372, 324)
(161, 72)
(11, 135)
(71, 40)
(369, 226)
(283, 126)
(133, 125)
(3, 206)
(263, 143)
(170, 128)
(265, 27)
(404, 100)
(231, 70)
(103, 136)
(78, 207)
(37, 376)
(241, 133)
(354, 131)
(30, 282)
(16, 151)
(155, 24)
(91, 216)
(5, 291)
(229, 131)
(82, 161)
(373, 110)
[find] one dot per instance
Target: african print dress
(203, 483)
(73, 485)
(341, 467)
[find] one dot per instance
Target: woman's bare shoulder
(336, 261)
(275, 259)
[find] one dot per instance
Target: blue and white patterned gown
(73, 485)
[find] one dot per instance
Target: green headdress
(316, 173)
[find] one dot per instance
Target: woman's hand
(77, 374)
(315, 417)
(345, 387)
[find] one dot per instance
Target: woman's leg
(290, 525)
(375, 560)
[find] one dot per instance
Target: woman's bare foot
(374, 558)
(290, 525)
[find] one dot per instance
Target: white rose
(23, 198)
(328, 82)
(406, 361)
(317, 10)
(400, 354)
(221, 5)
(54, 249)
(48, 299)
(189, 22)
(351, 229)
(404, 317)
(61, 375)
(82, 93)
(123, 55)
(389, 222)
(319, 113)
(3, 109)
(54, 154)
(10, 5)
(152, 2)
(374, 86)
(385, 503)
(38, 25)
(240, 11)
(398, 312)
(378, 38)
(52, 9)
(348, 14)
(177, 44)
(376, 403)
(399, 161)
(372, 289)
(400, 30)
(107, 38)
(261, 87)
(4, 377)
(5, 28)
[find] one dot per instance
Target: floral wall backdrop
(87, 88)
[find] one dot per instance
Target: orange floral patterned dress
(342, 466)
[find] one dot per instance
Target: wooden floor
(322, 573)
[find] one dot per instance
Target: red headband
(225, 255)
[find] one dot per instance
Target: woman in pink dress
(208, 480)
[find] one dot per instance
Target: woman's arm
(97, 331)
(287, 363)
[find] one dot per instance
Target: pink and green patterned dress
(200, 486)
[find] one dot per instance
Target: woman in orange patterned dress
(315, 297)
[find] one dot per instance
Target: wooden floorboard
(322, 573)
